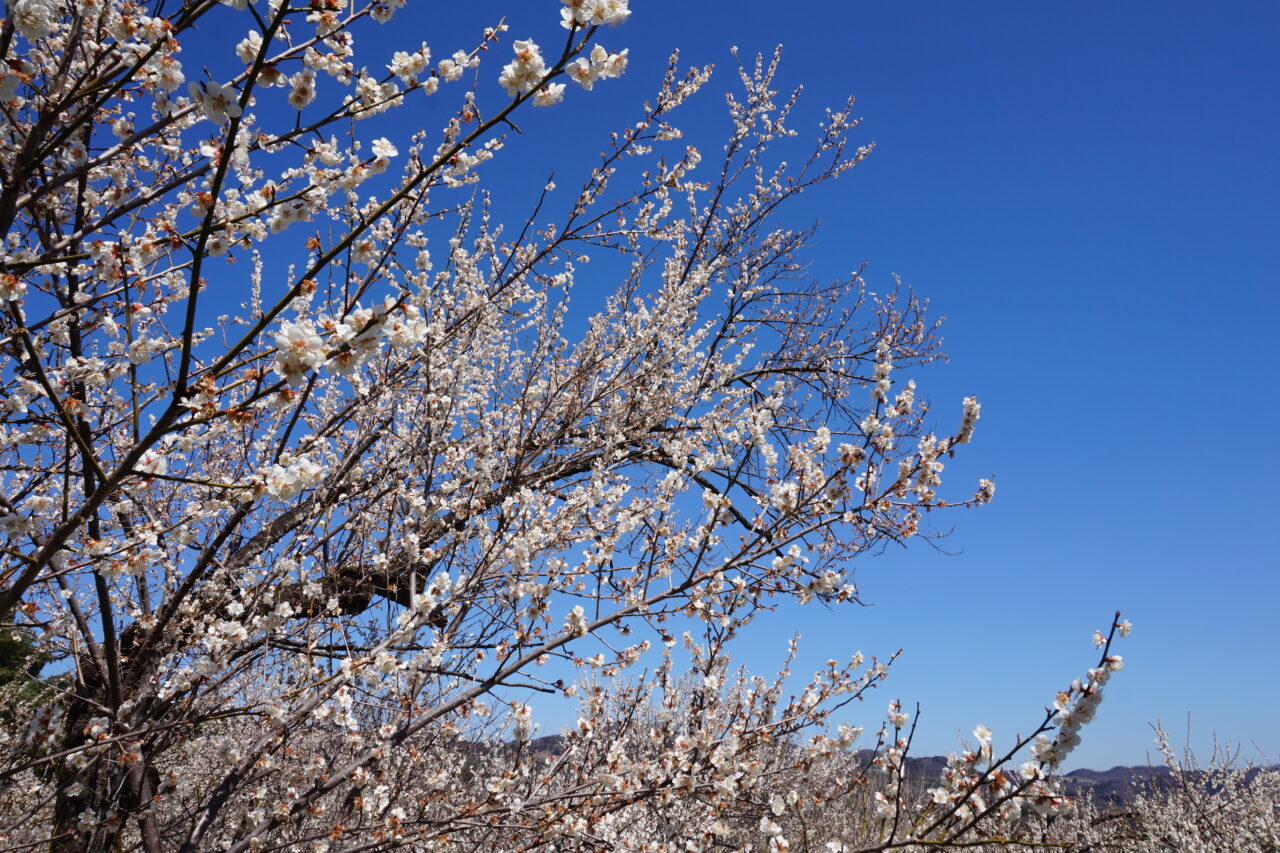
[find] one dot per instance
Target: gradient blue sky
(1084, 190)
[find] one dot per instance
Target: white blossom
(298, 350)
(35, 19)
(548, 95)
(524, 72)
(219, 103)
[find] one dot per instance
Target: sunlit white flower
(298, 349)
(587, 13)
(551, 93)
(614, 64)
(576, 621)
(35, 19)
(153, 462)
(304, 88)
(219, 103)
(451, 69)
(168, 73)
(407, 66)
(247, 49)
(525, 71)
(582, 72)
(382, 10)
(972, 410)
(11, 287)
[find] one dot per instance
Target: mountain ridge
(1115, 784)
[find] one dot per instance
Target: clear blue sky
(1085, 191)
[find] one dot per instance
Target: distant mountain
(1114, 785)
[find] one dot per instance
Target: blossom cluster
(593, 13)
(311, 481)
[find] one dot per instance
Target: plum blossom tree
(307, 489)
